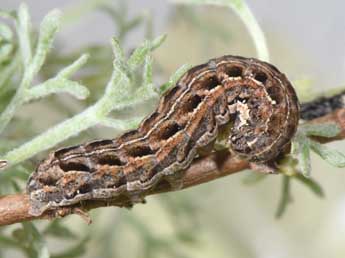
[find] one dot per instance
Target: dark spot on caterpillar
(86, 188)
(234, 71)
(139, 151)
(77, 166)
(211, 83)
(275, 94)
(110, 160)
(170, 130)
(261, 77)
(192, 103)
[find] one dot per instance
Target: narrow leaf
(24, 30)
(314, 186)
(119, 56)
(323, 130)
(48, 29)
(119, 62)
(304, 159)
(175, 77)
(147, 74)
(285, 198)
(140, 53)
(157, 42)
(333, 157)
(74, 67)
(58, 85)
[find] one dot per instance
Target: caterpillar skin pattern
(250, 100)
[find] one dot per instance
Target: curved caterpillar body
(249, 99)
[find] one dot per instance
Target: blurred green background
(223, 218)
